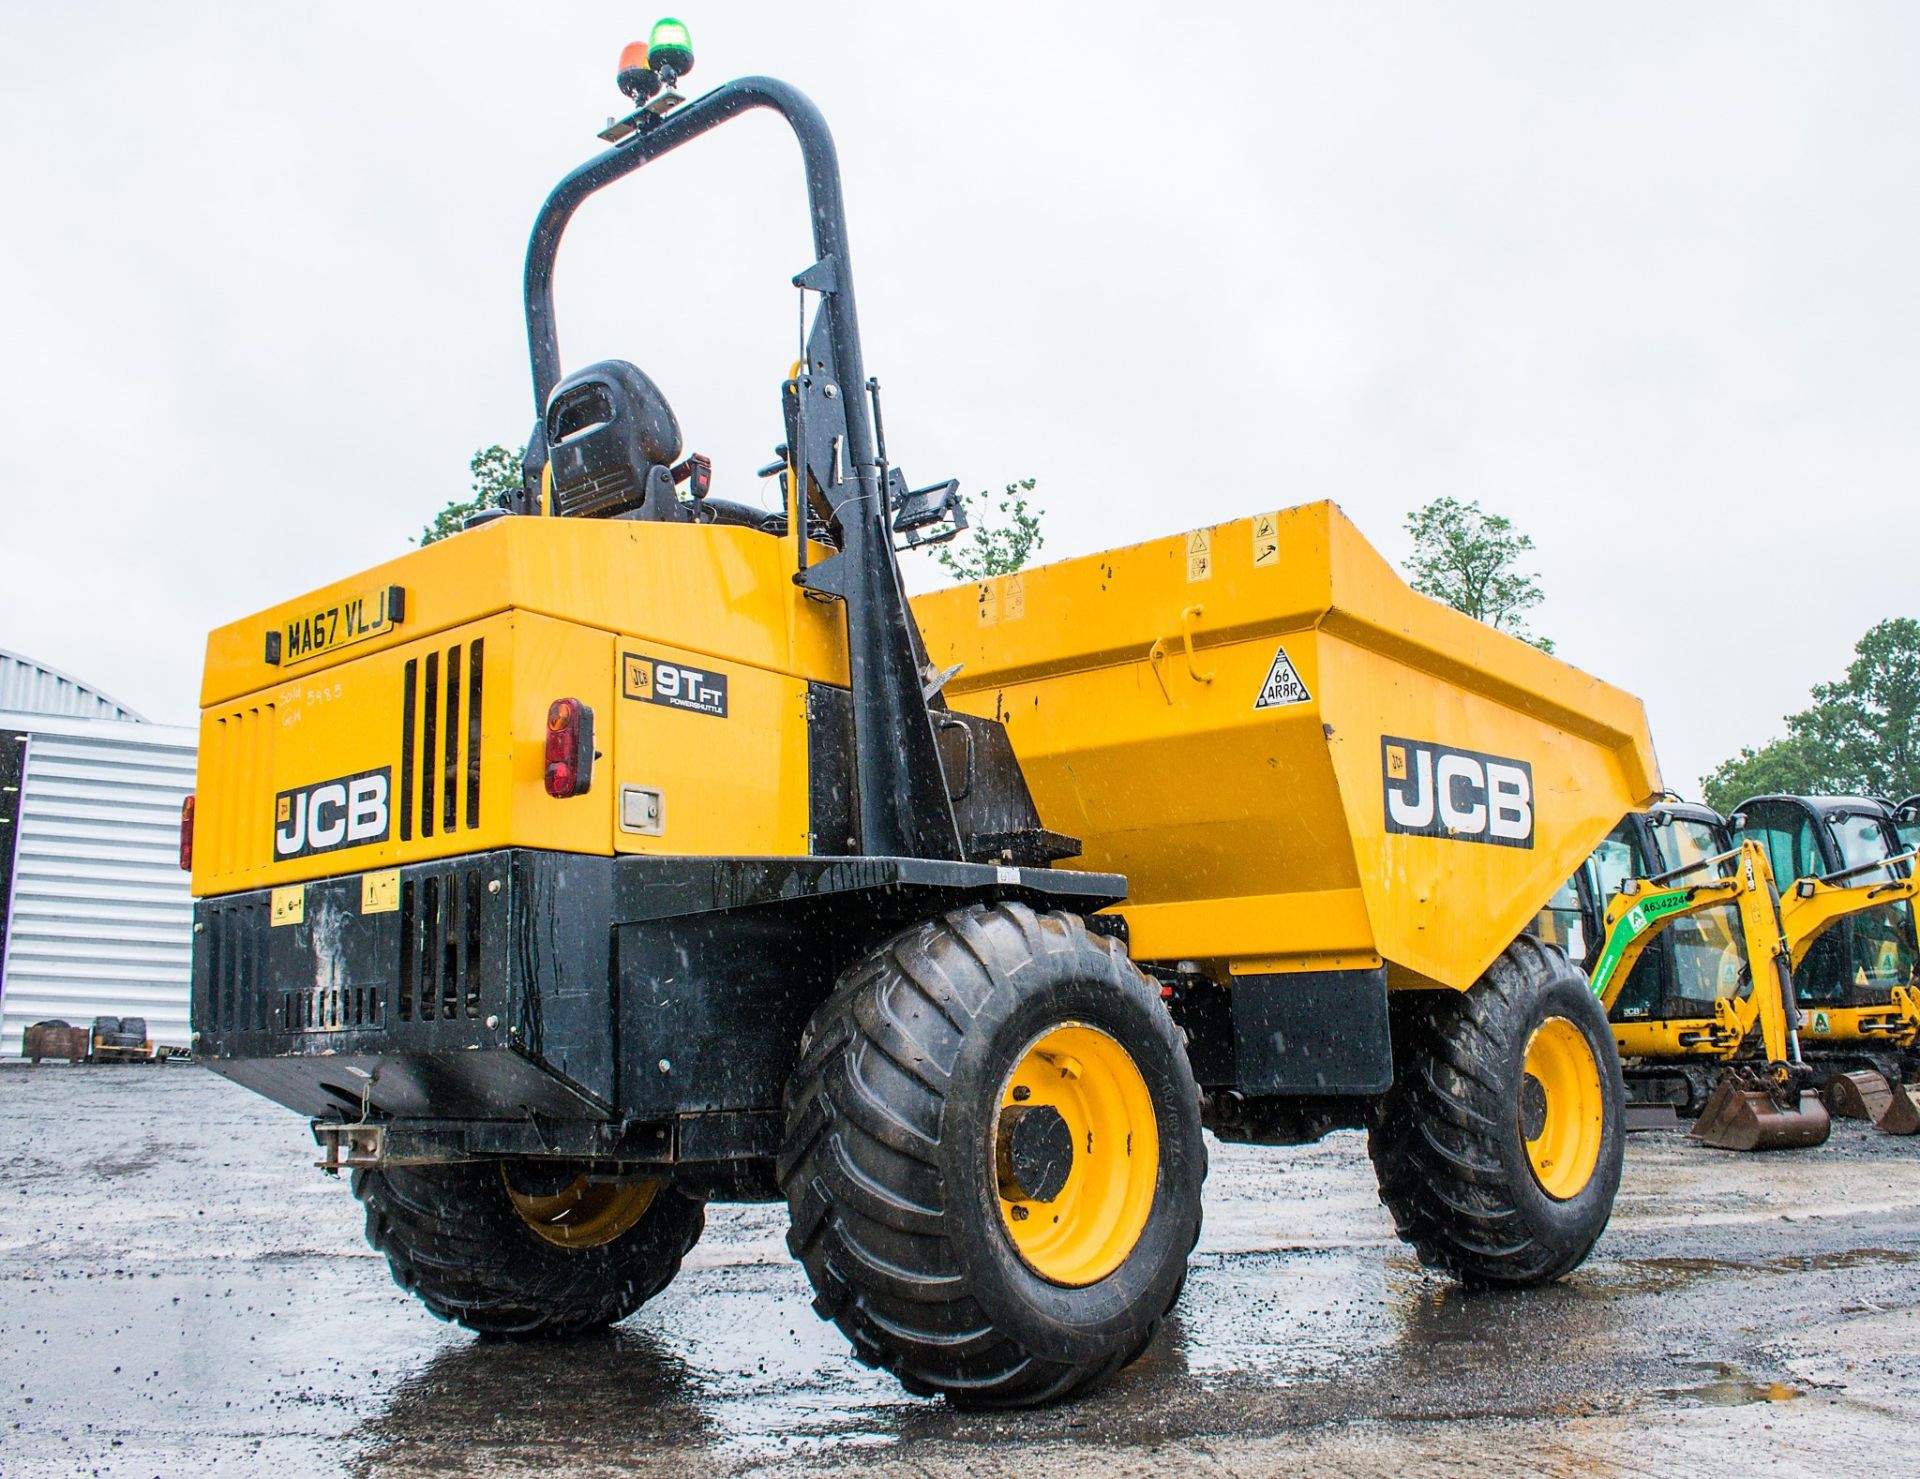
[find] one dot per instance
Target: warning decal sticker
(1200, 554)
(1283, 685)
(1266, 541)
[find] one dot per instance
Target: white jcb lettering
(1415, 810)
(1433, 790)
(367, 808)
(1510, 794)
(1447, 777)
(331, 830)
(344, 813)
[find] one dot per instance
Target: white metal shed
(97, 919)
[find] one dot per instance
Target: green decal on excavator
(1631, 926)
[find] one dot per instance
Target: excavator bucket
(1866, 1095)
(1743, 1114)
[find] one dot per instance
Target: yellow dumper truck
(623, 852)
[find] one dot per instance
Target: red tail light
(186, 834)
(569, 748)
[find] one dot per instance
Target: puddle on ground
(1732, 1387)
(1661, 1274)
(1845, 1258)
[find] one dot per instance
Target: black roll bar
(688, 123)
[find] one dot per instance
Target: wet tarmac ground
(184, 1294)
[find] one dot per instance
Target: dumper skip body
(1298, 763)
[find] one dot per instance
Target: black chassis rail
(525, 1002)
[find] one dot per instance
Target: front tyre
(1499, 1147)
(993, 1158)
(510, 1248)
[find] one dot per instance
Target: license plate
(329, 628)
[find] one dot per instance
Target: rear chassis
(640, 1013)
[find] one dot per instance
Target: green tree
(1857, 737)
(1469, 558)
(496, 473)
(1792, 766)
(997, 542)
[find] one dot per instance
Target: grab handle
(1157, 653)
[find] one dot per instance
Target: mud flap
(1866, 1095)
(1743, 1113)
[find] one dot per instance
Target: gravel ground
(188, 1295)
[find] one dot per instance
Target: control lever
(697, 473)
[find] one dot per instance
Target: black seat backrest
(612, 440)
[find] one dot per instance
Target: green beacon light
(670, 49)
(647, 74)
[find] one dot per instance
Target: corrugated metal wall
(101, 922)
(29, 687)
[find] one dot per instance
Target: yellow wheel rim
(1562, 1111)
(1074, 1217)
(583, 1213)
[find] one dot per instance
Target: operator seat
(612, 441)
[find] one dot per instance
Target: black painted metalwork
(551, 989)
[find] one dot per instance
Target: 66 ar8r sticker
(678, 685)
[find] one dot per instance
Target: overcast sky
(1640, 277)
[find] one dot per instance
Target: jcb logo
(348, 812)
(1438, 791)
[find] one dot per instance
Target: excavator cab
(1906, 823)
(1684, 948)
(1848, 914)
(1708, 952)
(1851, 842)
(1693, 962)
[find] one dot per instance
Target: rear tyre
(1499, 1147)
(525, 1253)
(993, 1157)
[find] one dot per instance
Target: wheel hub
(582, 1213)
(1533, 1108)
(1561, 1109)
(1076, 1152)
(1034, 1156)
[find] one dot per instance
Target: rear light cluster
(569, 748)
(186, 834)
